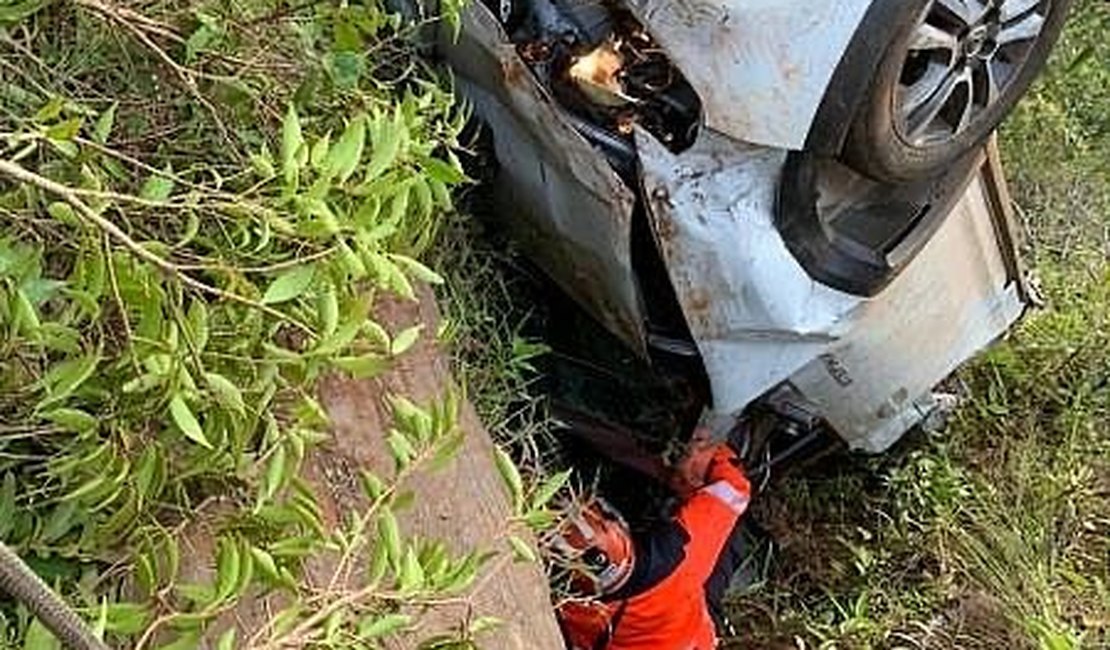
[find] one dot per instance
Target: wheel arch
(852, 78)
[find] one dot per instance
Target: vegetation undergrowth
(996, 532)
(200, 206)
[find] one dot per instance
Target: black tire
(877, 145)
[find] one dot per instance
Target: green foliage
(171, 288)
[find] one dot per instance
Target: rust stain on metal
(512, 71)
(598, 74)
(666, 231)
(698, 302)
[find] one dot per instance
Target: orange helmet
(594, 545)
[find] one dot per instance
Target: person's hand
(690, 473)
(723, 455)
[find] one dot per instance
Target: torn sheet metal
(756, 315)
(759, 320)
(761, 67)
(566, 205)
(954, 299)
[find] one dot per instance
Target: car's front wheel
(946, 82)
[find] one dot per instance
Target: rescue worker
(662, 591)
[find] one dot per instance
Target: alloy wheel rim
(961, 58)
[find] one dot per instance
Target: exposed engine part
(799, 414)
(601, 65)
(598, 75)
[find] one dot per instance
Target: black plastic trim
(843, 262)
(856, 71)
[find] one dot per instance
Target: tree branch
(67, 194)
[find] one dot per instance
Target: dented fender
(865, 365)
(565, 204)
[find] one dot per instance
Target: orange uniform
(669, 611)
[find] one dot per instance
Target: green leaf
(228, 566)
(389, 535)
(416, 269)
(379, 562)
(64, 147)
(226, 393)
(158, 186)
(61, 520)
(263, 164)
(51, 110)
(227, 640)
(148, 472)
(127, 618)
(443, 172)
(291, 142)
(406, 339)
(71, 419)
(440, 194)
(376, 335)
(550, 488)
(319, 152)
(327, 310)
(352, 264)
(387, 145)
(290, 284)
(197, 318)
(511, 476)
(66, 377)
(13, 13)
(401, 448)
(201, 38)
(65, 130)
(275, 473)
(103, 127)
(375, 626)
(265, 561)
(391, 277)
(185, 420)
(373, 485)
(345, 156)
(63, 212)
(366, 366)
(522, 550)
(26, 315)
(411, 576)
(143, 383)
(345, 68)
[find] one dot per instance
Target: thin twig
(127, 19)
(69, 196)
(270, 268)
(112, 279)
(180, 180)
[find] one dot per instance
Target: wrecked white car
(801, 195)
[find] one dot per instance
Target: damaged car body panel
(958, 296)
(754, 312)
(761, 67)
(676, 123)
(865, 364)
(570, 209)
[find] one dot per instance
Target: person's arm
(711, 513)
